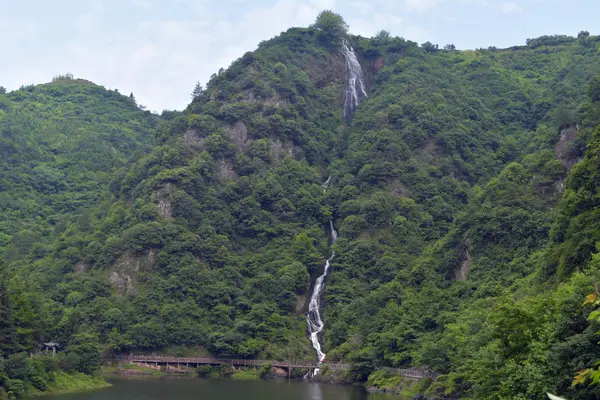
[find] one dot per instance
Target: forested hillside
(464, 189)
(60, 143)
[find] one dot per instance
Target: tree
(592, 374)
(198, 91)
(2, 90)
(132, 97)
(383, 36)
(6, 325)
(583, 34)
(563, 117)
(449, 47)
(594, 89)
(430, 47)
(86, 346)
(331, 26)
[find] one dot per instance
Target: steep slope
(59, 145)
(443, 186)
(434, 309)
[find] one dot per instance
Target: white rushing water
(313, 317)
(354, 91)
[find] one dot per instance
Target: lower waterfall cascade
(313, 317)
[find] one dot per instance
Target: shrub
(266, 371)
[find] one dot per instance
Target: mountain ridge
(449, 169)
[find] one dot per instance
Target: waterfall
(313, 317)
(354, 91)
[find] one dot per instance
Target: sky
(159, 49)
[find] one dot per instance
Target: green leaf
(594, 315)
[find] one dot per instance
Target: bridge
(411, 373)
(196, 361)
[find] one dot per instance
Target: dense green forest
(60, 143)
(465, 191)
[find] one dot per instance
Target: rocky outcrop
(121, 282)
(124, 273)
(567, 137)
(280, 150)
(163, 198)
(300, 304)
(225, 170)
(238, 133)
(152, 256)
(462, 273)
(192, 139)
(80, 267)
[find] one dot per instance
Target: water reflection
(226, 389)
(314, 389)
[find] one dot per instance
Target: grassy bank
(379, 381)
(132, 369)
(246, 375)
(386, 382)
(68, 383)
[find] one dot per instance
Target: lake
(225, 389)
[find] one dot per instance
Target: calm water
(188, 389)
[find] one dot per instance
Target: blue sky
(158, 49)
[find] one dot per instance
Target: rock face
(152, 256)
(124, 274)
(567, 136)
(193, 140)
(300, 304)
(462, 273)
(279, 149)
(225, 171)
(238, 133)
(121, 282)
(80, 267)
(163, 197)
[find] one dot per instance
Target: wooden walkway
(195, 361)
(413, 373)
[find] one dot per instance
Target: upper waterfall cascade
(354, 91)
(313, 317)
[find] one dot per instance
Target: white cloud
(421, 5)
(160, 57)
(510, 7)
(141, 4)
(396, 25)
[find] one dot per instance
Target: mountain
(463, 185)
(60, 145)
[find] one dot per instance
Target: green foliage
(331, 26)
(430, 47)
(245, 375)
(60, 143)
(265, 371)
(466, 243)
(204, 371)
(594, 89)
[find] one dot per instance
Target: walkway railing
(414, 373)
(215, 361)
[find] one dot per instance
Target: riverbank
(64, 383)
(188, 388)
(380, 381)
(207, 371)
